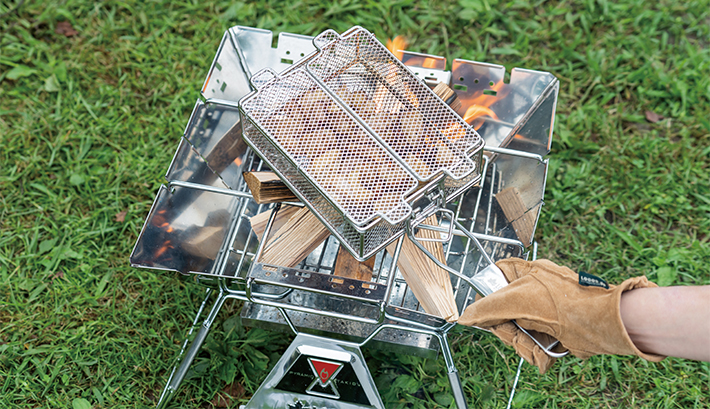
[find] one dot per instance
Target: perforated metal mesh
(353, 132)
(402, 110)
(364, 241)
(333, 150)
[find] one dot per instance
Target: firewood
(448, 96)
(258, 222)
(227, 149)
(295, 240)
(514, 209)
(266, 187)
(347, 266)
(429, 283)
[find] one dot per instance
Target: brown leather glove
(545, 297)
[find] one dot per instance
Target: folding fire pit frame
(198, 223)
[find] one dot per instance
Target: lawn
(94, 97)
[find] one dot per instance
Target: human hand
(583, 314)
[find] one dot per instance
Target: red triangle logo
(324, 369)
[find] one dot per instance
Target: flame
(429, 62)
(238, 161)
(396, 46)
(475, 111)
(478, 105)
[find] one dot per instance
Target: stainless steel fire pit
(199, 223)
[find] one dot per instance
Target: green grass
(88, 125)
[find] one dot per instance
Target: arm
(672, 321)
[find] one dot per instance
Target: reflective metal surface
(184, 231)
(199, 223)
(295, 380)
(246, 50)
(215, 132)
(518, 114)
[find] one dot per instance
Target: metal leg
(515, 383)
(179, 371)
(520, 364)
(457, 390)
(453, 373)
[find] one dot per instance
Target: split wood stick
(266, 187)
(228, 149)
(514, 209)
(295, 240)
(347, 266)
(448, 96)
(430, 283)
(258, 222)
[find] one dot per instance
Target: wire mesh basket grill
(360, 139)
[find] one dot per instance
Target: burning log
(258, 222)
(430, 283)
(345, 264)
(448, 96)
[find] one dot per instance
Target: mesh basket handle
(323, 39)
(416, 223)
(398, 213)
(259, 79)
(462, 169)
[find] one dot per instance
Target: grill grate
(359, 138)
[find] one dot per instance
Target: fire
(396, 46)
(479, 106)
(238, 161)
(475, 111)
(429, 62)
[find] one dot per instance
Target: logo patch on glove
(589, 280)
